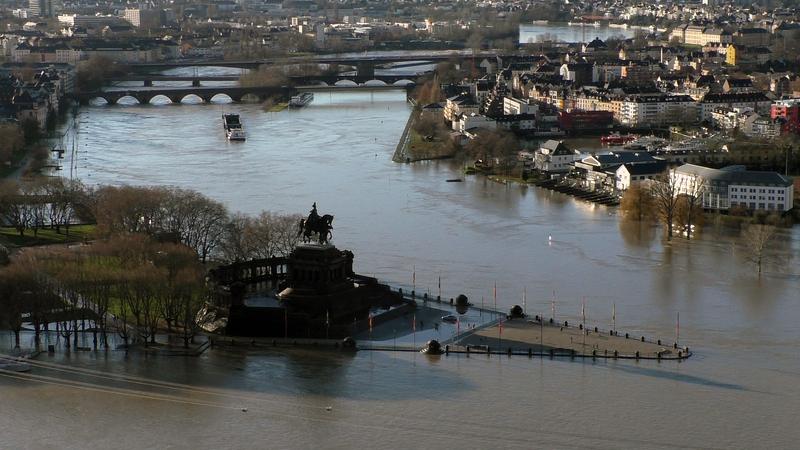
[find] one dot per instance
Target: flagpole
(583, 315)
(495, 296)
(500, 334)
(678, 328)
(541, 333)
(614, 318)
(414, 328)
(524, 300)
(553, 306)
(440, 286)
(413, 278)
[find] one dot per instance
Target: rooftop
(735, 175)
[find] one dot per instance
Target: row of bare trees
(39, 203)
(131, 285)
(145, 272)
(170, 214)
(186, 216)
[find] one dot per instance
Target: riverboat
(687, 146)
(233, 127)
(617, 139)
(584, 24)
(646, 143)
(539, 22)
(300, 100)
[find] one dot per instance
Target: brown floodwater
(739, 390)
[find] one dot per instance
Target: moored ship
(617, 139)
(300, 100)
(233, 127)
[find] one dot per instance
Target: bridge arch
(99, 101)
(191, 99)
(220, 97)
(404, 82)
(375, 83)
(128, 99)
(346, 83)
(160, 99)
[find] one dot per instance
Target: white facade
(666, 110)
(515, 106)
(470, 121)
(769, 198)
(735, 187)
(553, 156)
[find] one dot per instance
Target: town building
(599, 171)
(658, 110)
(465, 122)
(735, 187)
(554, 157)
(630, 174)
(459, 104)
(713, 100)
(789, 111)
(513, 106)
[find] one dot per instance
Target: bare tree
(13, 299)
(756, 239)
(637, 203)
(664, 191)
(689, 211)
(14, 207)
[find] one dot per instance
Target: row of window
(770, 191)
(760, 197)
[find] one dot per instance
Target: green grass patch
(278, 107)
(46, 236)
(419, 148)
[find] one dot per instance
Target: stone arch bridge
(176, 95)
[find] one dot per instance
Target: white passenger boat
(233, 127)
(300, 100)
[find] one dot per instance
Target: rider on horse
(316, 224)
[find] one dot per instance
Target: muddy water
(738, 391)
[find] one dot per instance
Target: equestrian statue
(321, 225)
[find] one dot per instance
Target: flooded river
(739, 390)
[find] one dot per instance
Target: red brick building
(789, 111)
(585, 120)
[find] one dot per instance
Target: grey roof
(555, 147)
(609, 159)
(735, 175)
(649, 168)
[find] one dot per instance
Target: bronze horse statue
(321, 225)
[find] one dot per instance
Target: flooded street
(739, 390)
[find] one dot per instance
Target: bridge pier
(196, 82)
(365, 69)
(148, 83)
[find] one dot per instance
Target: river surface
(532, 33)
(739, 390)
